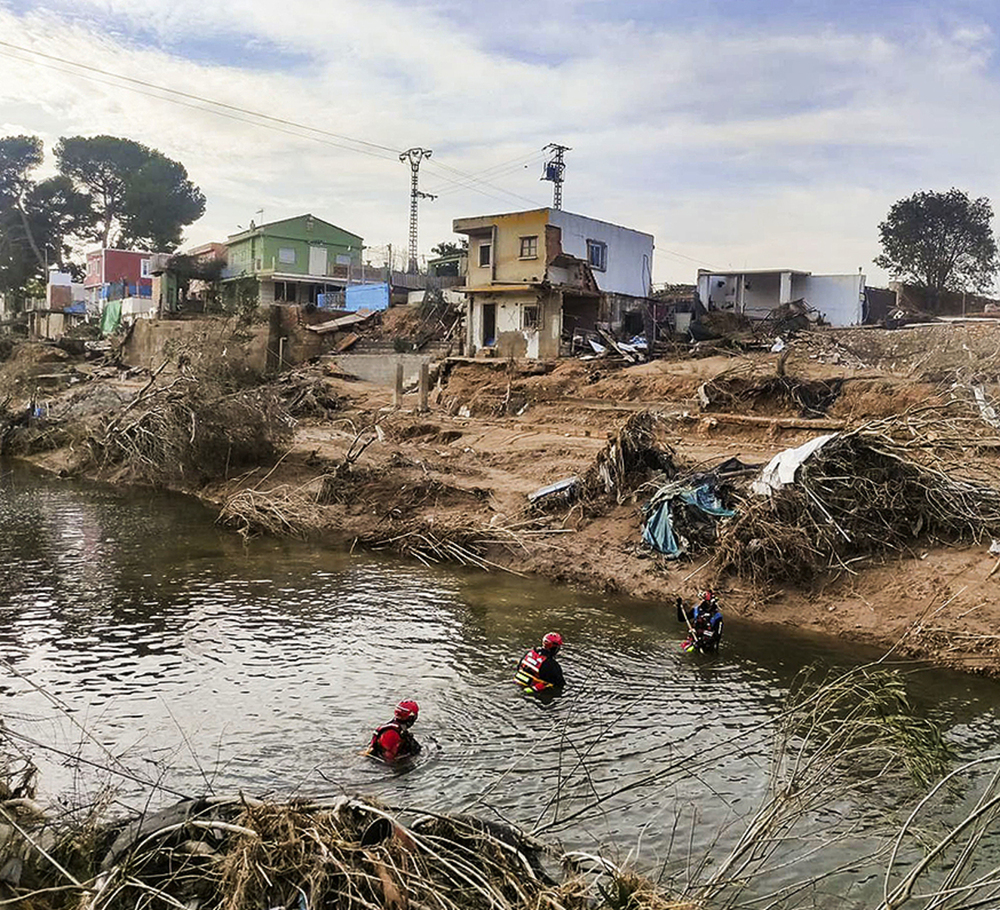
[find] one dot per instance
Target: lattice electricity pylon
(554, 169)
(415, 156)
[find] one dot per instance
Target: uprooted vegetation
(190, 428)
(769, 395)
(628, 458)
(860, 494)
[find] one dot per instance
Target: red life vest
(406, 744)
(528, 671)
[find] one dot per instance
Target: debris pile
(683, 515)
(843, 496)
(188, 428)
(629, 457)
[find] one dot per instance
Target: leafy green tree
(36, 219)
(19, 155)
(20, 256)
(140, 197)
(57, 214)
(448, 248)
(940, 241)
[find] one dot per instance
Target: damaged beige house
(536, 277)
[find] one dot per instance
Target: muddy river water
(139, 636)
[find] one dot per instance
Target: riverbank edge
(599, 557)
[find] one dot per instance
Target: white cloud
(732, 144)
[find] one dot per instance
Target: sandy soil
(494, 433)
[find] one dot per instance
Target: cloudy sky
(739, 133)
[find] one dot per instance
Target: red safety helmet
(708, 595)
(552, 641)
(406, 710)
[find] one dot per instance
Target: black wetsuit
(706, 620)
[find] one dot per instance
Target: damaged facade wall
(524, 323)
(523, 265)
(628, 253)
(838, 298)
(502, 254)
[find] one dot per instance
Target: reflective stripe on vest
(527, 671)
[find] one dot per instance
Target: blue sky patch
(224, 48)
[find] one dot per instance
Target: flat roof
(548, 208)
(733, 272)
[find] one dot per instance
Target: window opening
(485, 254)
(597, 255)
(529, 247)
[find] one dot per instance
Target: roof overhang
(501, 288)
(263, 275)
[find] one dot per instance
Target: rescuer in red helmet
(393, 741)
(539, 669)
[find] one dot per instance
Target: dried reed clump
(189, 429)
(628, 458)
(468, 545)
(278, 511)
(858, 495)
(352, 854)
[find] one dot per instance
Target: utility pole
(554, 170)
(415, 156)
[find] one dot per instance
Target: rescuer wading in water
(539, 669)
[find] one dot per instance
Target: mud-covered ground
(494, 432)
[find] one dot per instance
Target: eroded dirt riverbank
(453, 482)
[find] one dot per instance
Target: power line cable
(504, 167)
(455, 186)
(183, 94)
(466, 176)
(205, 110)
(664, 251)
(233, 107)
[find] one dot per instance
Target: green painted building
(293, 260)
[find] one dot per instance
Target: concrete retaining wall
(381, 368)
(153, 341)
(280, 341)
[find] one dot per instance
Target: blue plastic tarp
(658, 531)
(366, 297)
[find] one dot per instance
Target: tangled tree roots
(187, 429)
(858, 495)
(629, 456)
(770, 395)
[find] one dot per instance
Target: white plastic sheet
(780, 471)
